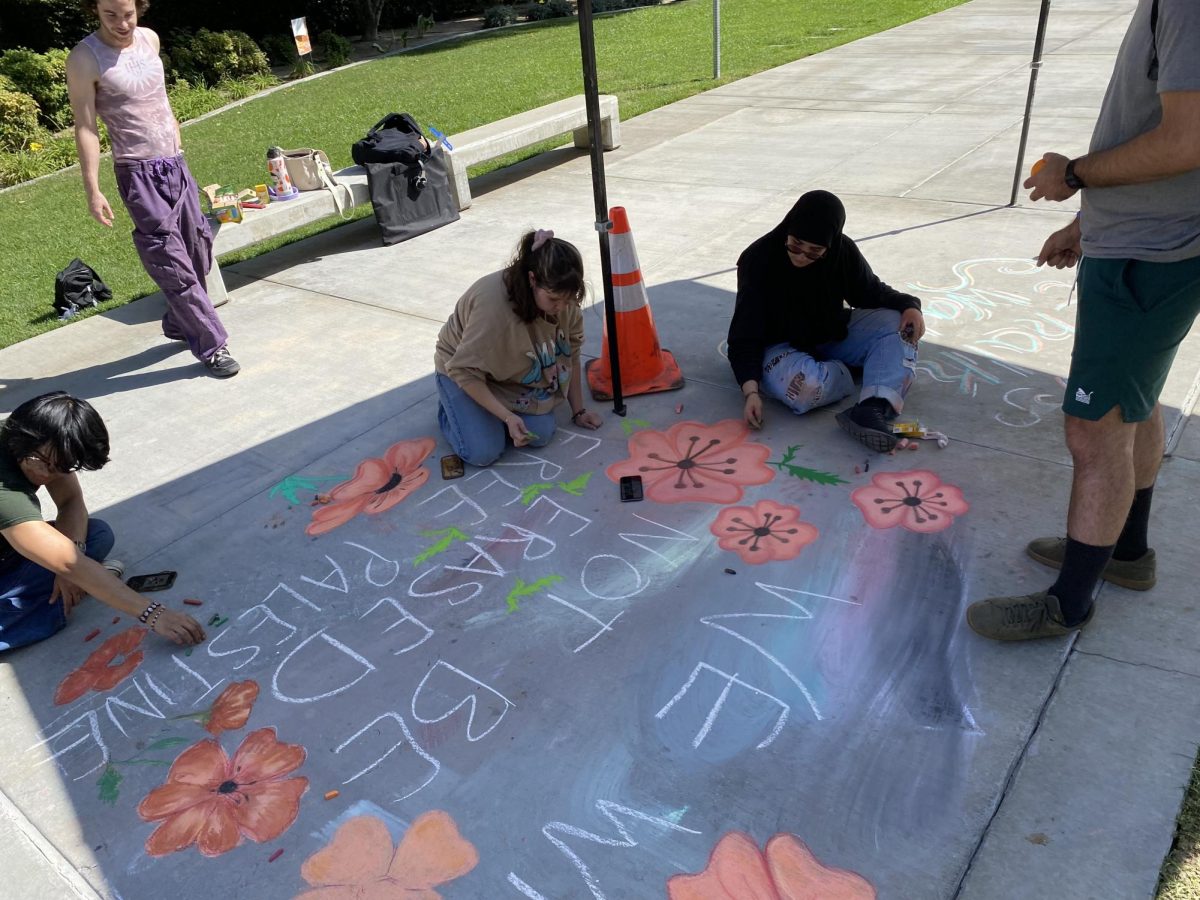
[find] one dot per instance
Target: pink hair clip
(540, 237)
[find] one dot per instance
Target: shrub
(191, 100)
(550, 9)
(280, 49)
(209, 56)
(46, 154)
(18, 119)
(497, 16)
(333, 49)
(43, 76)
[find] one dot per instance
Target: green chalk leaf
(109, 783)
(802, 472)
(446, 537)
(521, 589)
(291, 486)
(576, 486)
(629, 425)
(533, 491)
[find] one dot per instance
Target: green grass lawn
(1180, 878)
(648, 58)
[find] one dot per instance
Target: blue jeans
(473, 432)
(803, 381)
(26, 613)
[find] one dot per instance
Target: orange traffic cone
(645, 366)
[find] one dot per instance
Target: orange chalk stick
(191, 601)
(329, 795)
(1037, 167)
(91, 634)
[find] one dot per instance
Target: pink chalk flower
(764, 532)
(377, 485)
(916, 500)
(694, 462)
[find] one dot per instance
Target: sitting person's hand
(176, 626)
(752, 412)
(517, 431)
(912, 325)
(70, 593)
(587, 419)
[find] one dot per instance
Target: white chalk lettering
(524, 536)
(469, 701)
(612, 583)
(462, 499)
(342, 588)
(375, 557)
(323, 669)
(114, 701)
(473, 588)
(405, 616)
(569, 436)
(679, 536)
(154, 687)
(712, 622)
(408, 739)
(604, 626)
(547, 470)
(490, 480)
(291, 593)
(542, 501)
(208, 686)
(480, 554)
(730, 681)
(91, 733)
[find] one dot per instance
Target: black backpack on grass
(78, 287)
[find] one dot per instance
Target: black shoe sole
(878, 441)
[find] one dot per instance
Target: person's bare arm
(72, 515)
(1171, 148)
(52, 550)
(82, 74)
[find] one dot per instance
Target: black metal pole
(591, 93)
(1019, 174)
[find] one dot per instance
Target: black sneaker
(867, 423)
(222, 365)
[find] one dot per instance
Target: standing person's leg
(157, 193)
(801, 382)
(888, 361)
(1132, 317)
(26, 613)
(472, 432)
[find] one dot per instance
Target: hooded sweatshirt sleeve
(862, 288)
(748, 329)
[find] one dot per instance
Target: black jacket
(778, 302)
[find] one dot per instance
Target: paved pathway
(600, 732)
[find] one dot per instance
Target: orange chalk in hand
(1037, 167)
(329, 795)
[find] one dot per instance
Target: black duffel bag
(405, 178)
(78, 287)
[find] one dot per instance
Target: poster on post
(300, 33)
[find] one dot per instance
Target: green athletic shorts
(1132, 317)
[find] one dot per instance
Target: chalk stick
(214, 619)
(274, 856)
(329, 795)
(91, 634)
(730, 571)
(116, 619)
(192, 601)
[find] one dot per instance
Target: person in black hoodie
(792, 335)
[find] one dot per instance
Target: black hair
(64, 429)
(818, 218)
(556, 266)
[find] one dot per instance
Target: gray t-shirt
(1158, 221)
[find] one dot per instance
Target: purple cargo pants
(174, 242)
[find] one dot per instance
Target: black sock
(1131, 544)
(1081, 568)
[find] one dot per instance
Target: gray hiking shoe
(1134, 574)
(222, 365)
(1021, 618)
(115, 566)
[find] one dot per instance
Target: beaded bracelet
(575, 415)
(154, 619)
(154, 605)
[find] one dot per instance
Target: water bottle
(281, 184)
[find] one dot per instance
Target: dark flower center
(393, 482)
(912, 501)
(227, 787)
(762, 531)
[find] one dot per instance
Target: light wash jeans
(473, 432)
(26, 614)
(803, 381)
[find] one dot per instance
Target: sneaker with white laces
(221, 364)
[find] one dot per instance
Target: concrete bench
(524, 130)
(279, 218)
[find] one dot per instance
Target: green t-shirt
(18, 501)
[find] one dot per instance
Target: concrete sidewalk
(595, 693)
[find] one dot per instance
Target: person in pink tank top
(116, 74)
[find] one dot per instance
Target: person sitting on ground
(792, 336)
(46, 568)
(509, 353)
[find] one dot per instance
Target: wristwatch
(1074, 182)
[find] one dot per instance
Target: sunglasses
(44, 464)
(796, 247)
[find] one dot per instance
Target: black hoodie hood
(817, 218)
